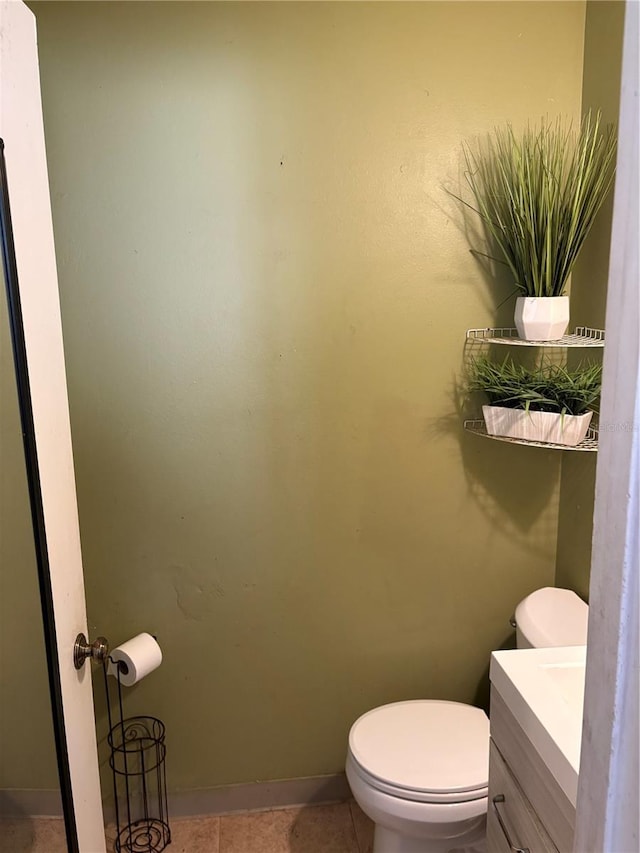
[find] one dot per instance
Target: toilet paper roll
(136, 658)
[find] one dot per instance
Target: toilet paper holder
(83, 649)
(137, 760)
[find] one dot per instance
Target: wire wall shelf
(583, 336)
(589, 443)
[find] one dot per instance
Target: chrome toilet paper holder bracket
(83, 649)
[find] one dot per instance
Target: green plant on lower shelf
(547, 388)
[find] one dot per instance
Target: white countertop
(544, 689)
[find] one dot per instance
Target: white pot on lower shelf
(549, 427)
(541, 318)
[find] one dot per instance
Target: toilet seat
(415, 796)
(423, 750)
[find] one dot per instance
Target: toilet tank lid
(553, 617)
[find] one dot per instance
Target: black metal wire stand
(137, 761)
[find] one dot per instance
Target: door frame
(608, 785)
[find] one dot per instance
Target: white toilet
(419, 769)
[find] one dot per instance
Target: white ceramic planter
(542, 318)
(536, 426)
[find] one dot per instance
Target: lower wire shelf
(478, 427)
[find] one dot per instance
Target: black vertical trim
(35, 498)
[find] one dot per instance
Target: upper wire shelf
(583, 336)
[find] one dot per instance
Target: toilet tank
(551, 617)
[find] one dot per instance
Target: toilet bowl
(419, 769)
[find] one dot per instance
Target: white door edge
(21, 128)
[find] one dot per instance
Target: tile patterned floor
(333, 828)
(37, 834)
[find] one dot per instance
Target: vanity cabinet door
(512, 824)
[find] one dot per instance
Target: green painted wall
(600, 91)
(265, 288)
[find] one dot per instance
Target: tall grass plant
(538, 194)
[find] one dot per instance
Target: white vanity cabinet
(528, 812)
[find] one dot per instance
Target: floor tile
(364, 827)
(32, 835)
(317, 829)
(195, 835)
(336, 828)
